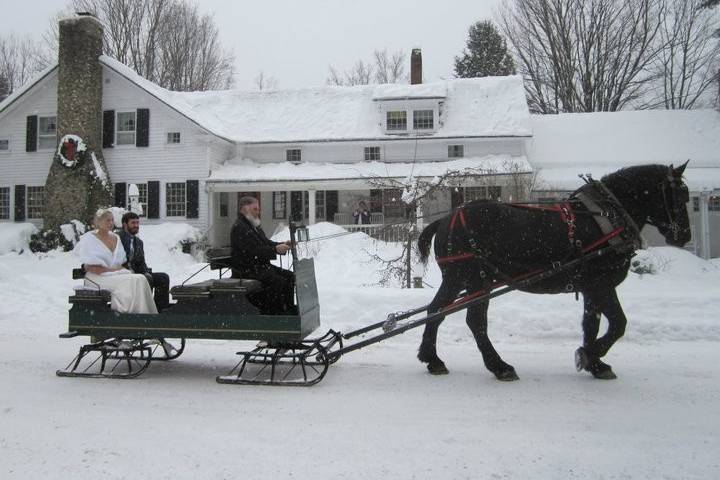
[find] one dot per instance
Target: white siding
(160, 161)
(18, 167)
(396, 150)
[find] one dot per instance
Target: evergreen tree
(486, 54)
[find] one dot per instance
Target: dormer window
(397, 120)
(293, 155)
(423, 120)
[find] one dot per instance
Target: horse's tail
(424, 240)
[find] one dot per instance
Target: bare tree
(686, 67)
(579, 56)
(389, 68)
(20, 60)
(166, 41)
(265, 82)
(190, 56)
(383, 68)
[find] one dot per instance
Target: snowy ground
(377, 414)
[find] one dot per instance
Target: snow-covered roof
(566, 145)
(422, 90)
(485, 107)
(251, 171)
(478, 107)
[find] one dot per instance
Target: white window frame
(394, 127)
(170, 138)
(5, 204)
(288, 155)
(279, 205)
(182, 205)
(29, 207)
(125, 133)
(367, 155)
(421, 112)
(6, 142)
(50, 139)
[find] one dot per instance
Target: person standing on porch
(361, 215)
(250, 255)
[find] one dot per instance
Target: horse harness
(618, 229)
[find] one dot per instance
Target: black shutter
(31, 134)
(108, 128)
(120, 194)
(153, 198)
(19, 203)
(142, 137)
(331, 205)
(192, 189)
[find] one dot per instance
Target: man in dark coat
(251, 253)
(135, 251)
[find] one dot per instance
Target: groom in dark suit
(160, 282)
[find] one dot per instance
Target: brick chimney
(416, 67)
(76, 192)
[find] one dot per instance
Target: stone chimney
(78, 183)
(416, 67)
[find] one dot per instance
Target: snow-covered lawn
(377, 414)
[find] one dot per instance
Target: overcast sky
(296, 41)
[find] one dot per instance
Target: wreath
(71, 151)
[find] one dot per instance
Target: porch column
(704, 212)
(311, 207)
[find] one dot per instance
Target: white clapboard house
(308, 155)
(312, 154)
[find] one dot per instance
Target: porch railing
(386, 233)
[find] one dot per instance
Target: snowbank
(15, 237)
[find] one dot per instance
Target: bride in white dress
(103, 256)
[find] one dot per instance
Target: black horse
(595, 232)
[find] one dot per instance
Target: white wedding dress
(129, 292)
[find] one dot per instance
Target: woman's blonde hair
(100, 214)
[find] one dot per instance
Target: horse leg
(427, 353)
(588, 356)
(477, 321)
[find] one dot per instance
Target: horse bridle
(670, 206)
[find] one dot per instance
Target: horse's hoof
(581, 359)
(507, 375)
(603, 371)
(437, 368)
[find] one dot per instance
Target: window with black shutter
(143, 127)
(153, 198)
(19, 203)
(31, 134)
(120, 194)
(108, 128)
(193, 190)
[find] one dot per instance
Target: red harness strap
(454, 258)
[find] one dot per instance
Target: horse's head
(670, 216)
